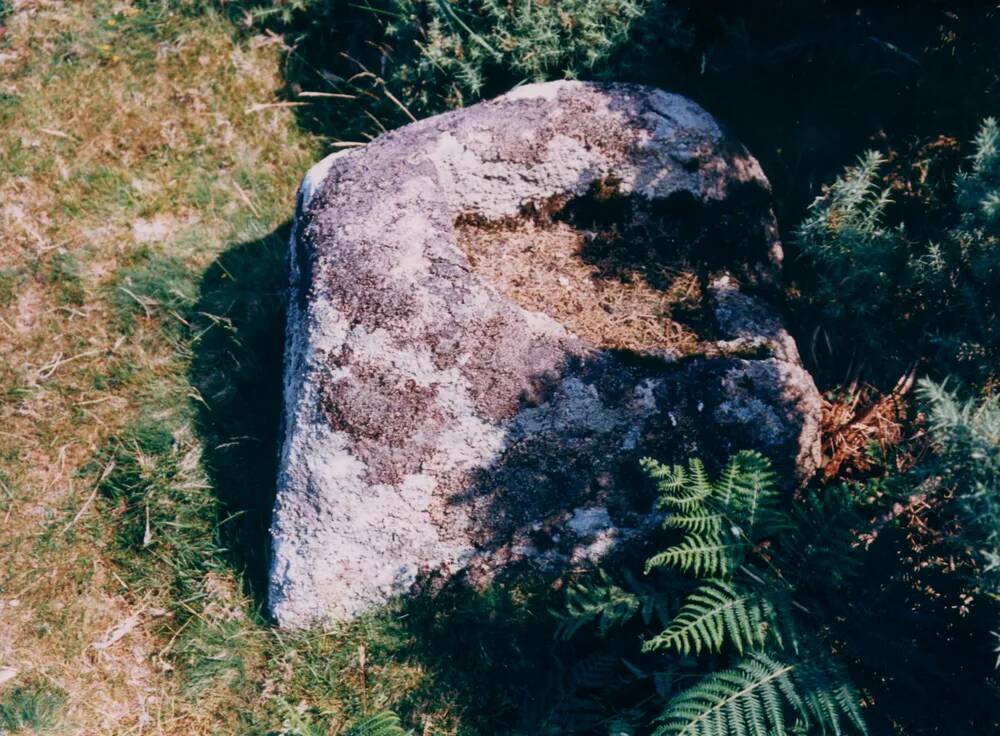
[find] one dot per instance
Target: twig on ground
(93, 494)
(269, 105)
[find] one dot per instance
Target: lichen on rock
(494, 314)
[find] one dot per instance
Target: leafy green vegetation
(777, 673)
(535, 41)
(966, 437)
(940, 292)
(32, 708)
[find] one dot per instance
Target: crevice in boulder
(620, 271)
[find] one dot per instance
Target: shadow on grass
(239, 323)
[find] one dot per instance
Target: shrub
(525, 40)
(939, 295)
(966, 437)
(454, 48)
(400, 60)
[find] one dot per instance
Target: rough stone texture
(432, 425)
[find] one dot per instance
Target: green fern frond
(697, 521)
(383, 723)
(747, 491)
(602, 601)
(750, 698)
(759, 696)
(680, 489)
(595, 672)
(829, 700)
(662, 473)
(744, 497)
(699, 476)
(714, 613)
(751, 477)
(700, 556)
(822, 543)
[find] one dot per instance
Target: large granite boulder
(494, 313)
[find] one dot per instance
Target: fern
(701, 556)
(722, 519)
(744, 497)
(760, 695)
(831, 704)
(714, 613)
(741, 604)
(698, 521)
(681, 489)
(747, 489)
(747, 699)
(383, 723)
(607, 603)
(822, 541)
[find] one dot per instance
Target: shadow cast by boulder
(239, 324)
(487, 651)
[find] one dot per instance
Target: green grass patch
(31, 708)
(10, 280)
(164, 516)
(64, 275)
(152, 284)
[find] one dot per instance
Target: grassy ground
(145, 184)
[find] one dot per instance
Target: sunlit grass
(129, 165)
(144, 209)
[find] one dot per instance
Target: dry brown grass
(541, 267)
(862, 428)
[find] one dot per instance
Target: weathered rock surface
(433, 424)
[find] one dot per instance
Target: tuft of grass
(30, 708)
(65, 276)
(10, 280)
(150, 284)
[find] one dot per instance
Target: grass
(140, 202)
(30, 708)
(144, 214)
